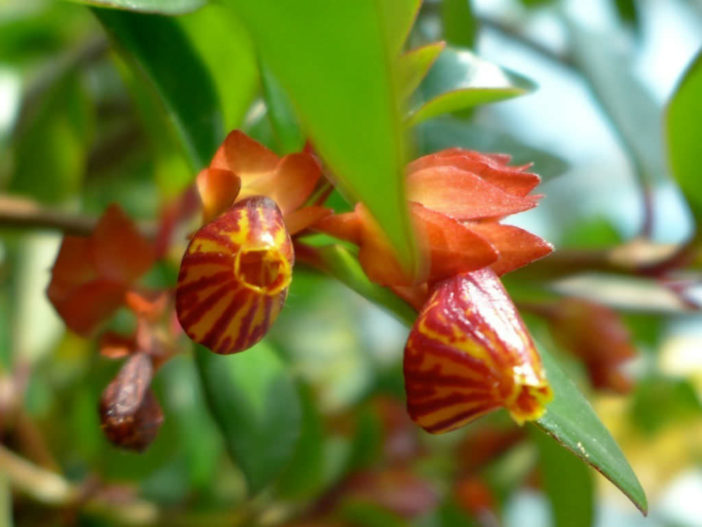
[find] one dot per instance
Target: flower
(469, 353)
(234, 276)
(457, 199)
(235, 273)
(92, 274)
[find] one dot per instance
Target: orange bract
(91, 275)
(234, 276)
(457, 198)
(469, 353)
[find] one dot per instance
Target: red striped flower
(235, 274)
(469, 353)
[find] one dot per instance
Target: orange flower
(92, 274)
(457, 198)
(242, 168)
(235, 274)
(469, 353)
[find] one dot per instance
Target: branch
(22, 213)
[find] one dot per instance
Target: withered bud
(130, 415)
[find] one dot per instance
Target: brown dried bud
(129, 412)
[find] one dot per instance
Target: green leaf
(413, 66)
(460, 27)
(683, 128)
(633, 111)
(280, 111)
(333, 60)
(257, 407)
(50, 149)
(398, 17)
(222, 44)
(572, 422)
(342, 264)
(364, 514)
(164, 7)
(628, 12)
(447, 132)
(459, 80)
(304, 476)
(158, 48)
(659, 402)
(567, 482)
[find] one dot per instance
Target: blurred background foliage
(101, 106)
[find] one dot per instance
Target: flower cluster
(467, 353)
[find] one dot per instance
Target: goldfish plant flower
(235, 274)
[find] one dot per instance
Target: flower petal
(516, 247)
(304, 218)
(463, 195)
(120, 251)
(452, 247)
(469, 353)
(290, 184)
(234, 277)
(243, 156)
(346, 226)
(83, 307)
(218, 188)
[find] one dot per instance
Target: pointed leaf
(257, 408)
(158, 48)
(164, 7)
(567, 482)
(333, 60)
(571, 421)
(460, 26)
(415, 64)
(460, 80)
(684, 132)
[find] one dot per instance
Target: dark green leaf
(164, 7)
(304, 476)
(159, 49)
(334, 61)
(628, 11)
(460, 80)
(280, 111)
(363, 514)
(257, 408)
(684, 133)
(460, 27)
(567, 482)
(221, 41)
(446, 132)
(571, 421)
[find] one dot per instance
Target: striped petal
(234, 276)
(469, 353)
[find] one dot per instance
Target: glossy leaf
(164, 7)
(568, 484)
(398, 17)
(150, 44)
(414, 64)
(281, 113)
(221, 42)
(460, 26)
(460, 80)
(257, 408)
(571, 421)
(683, 132)
(333, 60)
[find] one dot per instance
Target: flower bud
(234, 277)
(129, 413)
(469, 353)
